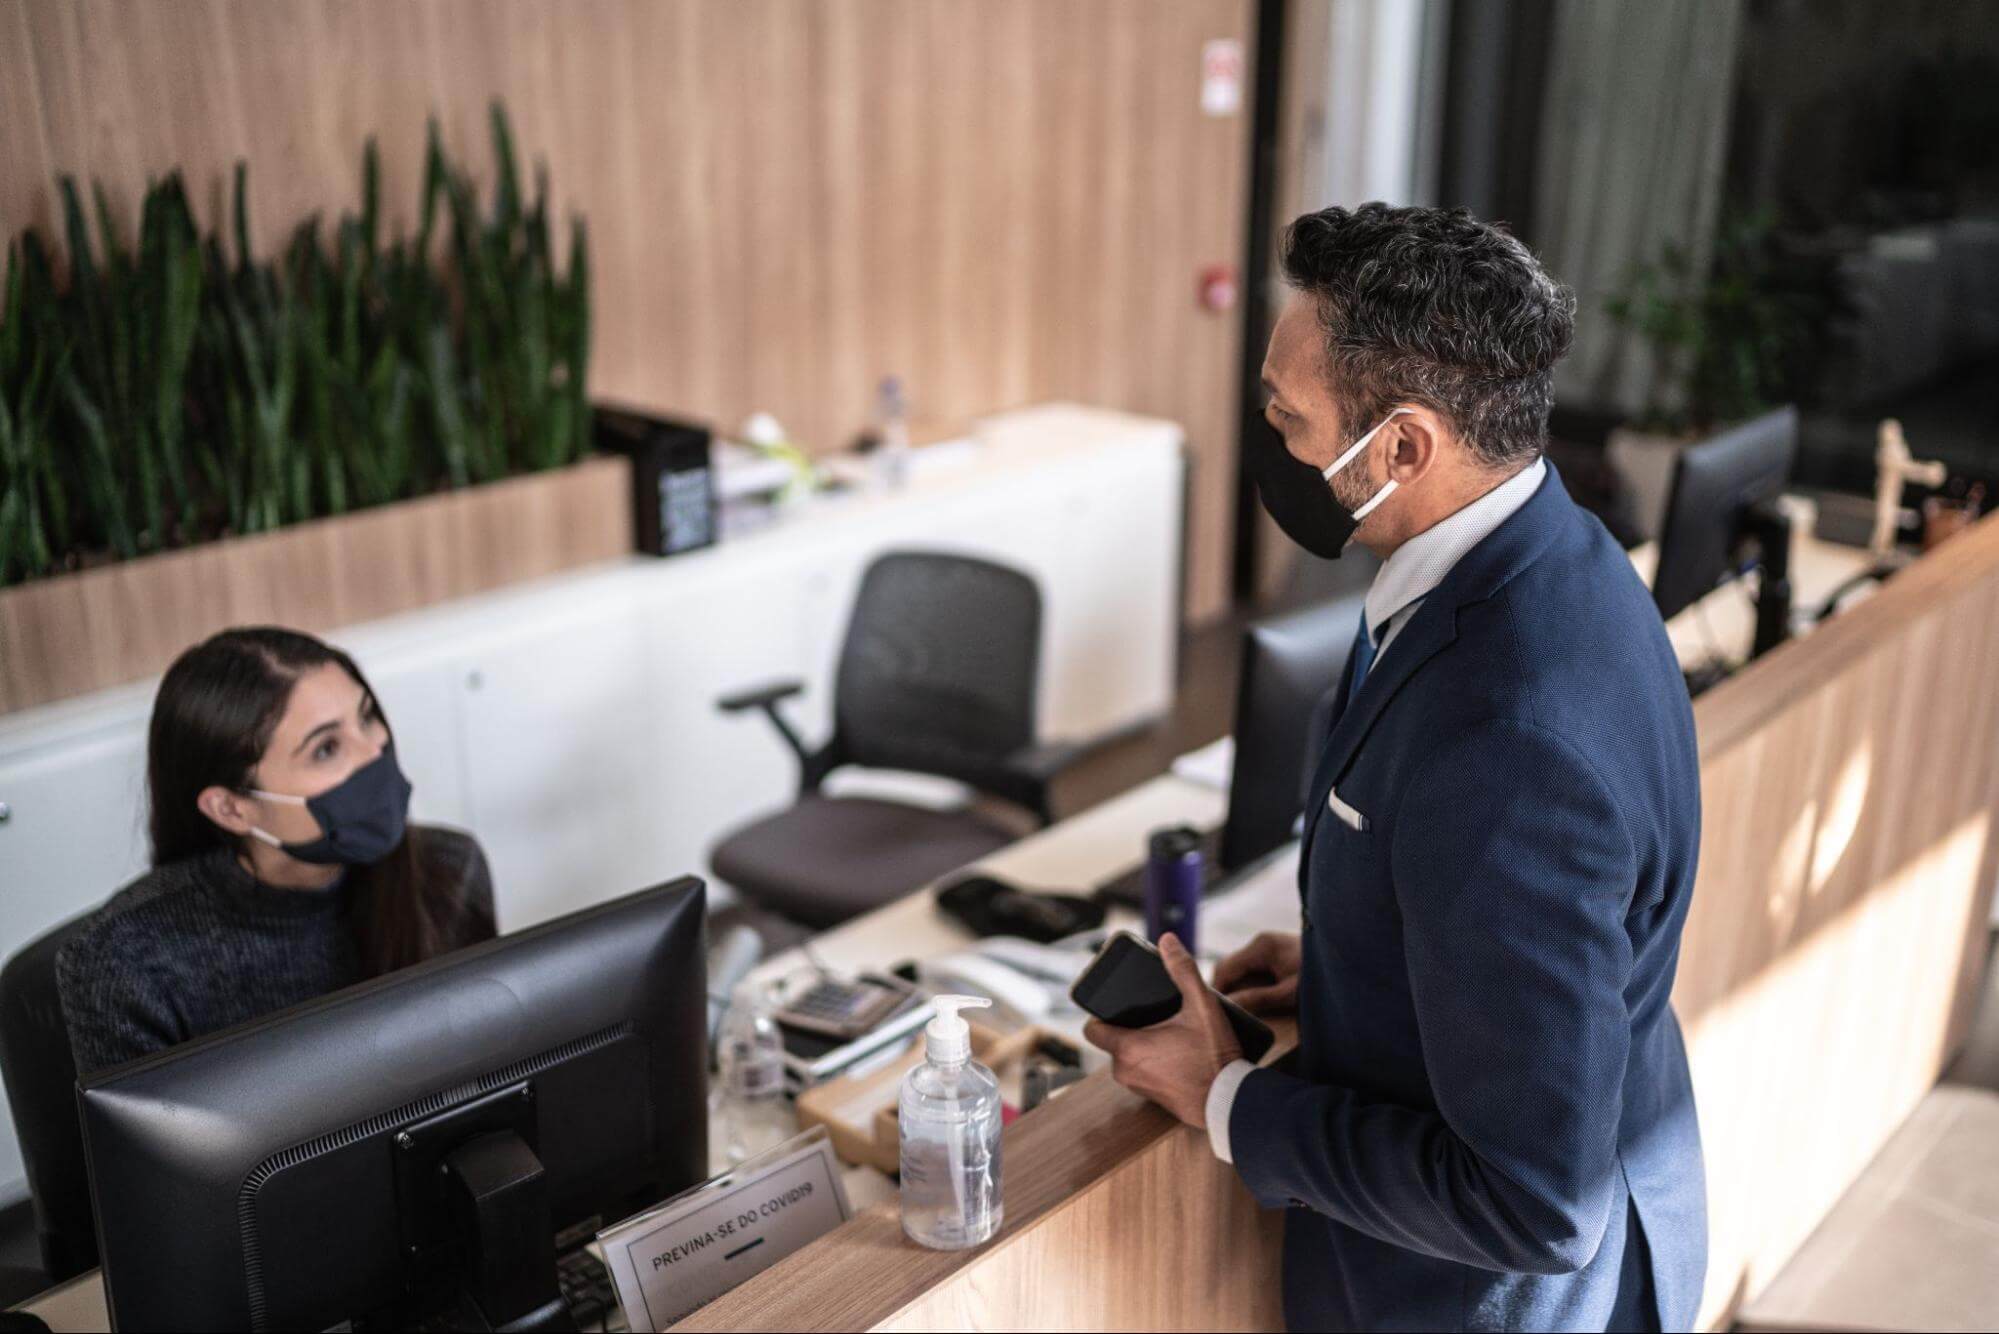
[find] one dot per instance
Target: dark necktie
(1363, 658)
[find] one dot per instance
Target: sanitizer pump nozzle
(948, 1038)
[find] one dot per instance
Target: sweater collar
(251, 897)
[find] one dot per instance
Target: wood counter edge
(866, 1271)
(1740, 706)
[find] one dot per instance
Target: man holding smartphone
(1488, 1123)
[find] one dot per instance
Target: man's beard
(1352, 487)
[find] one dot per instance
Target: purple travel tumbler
(1173, 884)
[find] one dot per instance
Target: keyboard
(580, 1278)
(587, 1292)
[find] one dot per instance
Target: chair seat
(828, 859)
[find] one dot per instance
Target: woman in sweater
(283, 864)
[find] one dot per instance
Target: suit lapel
(1431, 629)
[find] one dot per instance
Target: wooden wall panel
(1850, 795)
(788, 199)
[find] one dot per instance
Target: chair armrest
(1024, 776)
(759, 697)
(813, 765)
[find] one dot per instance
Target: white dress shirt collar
(1416, 567)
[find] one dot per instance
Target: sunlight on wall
(1842, 819)
(1787, 874)
(1884, 966)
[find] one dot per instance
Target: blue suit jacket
(1489, 1123)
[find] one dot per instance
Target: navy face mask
(1300, 497)
(361, 819)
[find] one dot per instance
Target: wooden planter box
(82, 632)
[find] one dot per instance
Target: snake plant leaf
(507, 192)
(371, 196)
(102, 476)
(435, 175)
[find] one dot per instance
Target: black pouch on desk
(989, 907)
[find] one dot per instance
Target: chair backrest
(40, 1074)
(938, 672)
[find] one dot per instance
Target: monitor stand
(499, 1201)
(476, 1225)
(1769, 527)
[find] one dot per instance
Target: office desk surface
(1723, 624)
(1072, 855)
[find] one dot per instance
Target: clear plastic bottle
(751, 1055)
(950, 1118)
(892, 425)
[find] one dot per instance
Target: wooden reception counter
(1117, 1217)
(1850, 782)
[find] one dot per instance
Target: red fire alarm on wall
(1218, 287)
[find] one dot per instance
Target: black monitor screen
(1714, 484)
(1289, 663)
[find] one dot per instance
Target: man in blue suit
(1488, 1123)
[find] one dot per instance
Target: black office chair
(937, 676)
(40, 1074)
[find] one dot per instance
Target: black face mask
(1300, 497)
(361, 819)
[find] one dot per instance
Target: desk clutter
(859, 1109)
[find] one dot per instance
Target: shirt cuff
(1221, 1101)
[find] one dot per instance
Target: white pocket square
(1349, 817)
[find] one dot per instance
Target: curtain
(1634, 137)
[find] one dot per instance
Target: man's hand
(1262, 976)
(1174, 1062)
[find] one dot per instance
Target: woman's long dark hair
(217, 707)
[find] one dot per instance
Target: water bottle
(1173, 874)
(892, 421)
(751, 1052)
(950, 1117)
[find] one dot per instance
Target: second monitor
(1289, 664)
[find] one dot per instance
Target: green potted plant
(193, 435)
(1727, 340)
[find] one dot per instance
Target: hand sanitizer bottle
(950, 1117)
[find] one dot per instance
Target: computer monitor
(1722, 489)
(1289, 664)
(408, 1150)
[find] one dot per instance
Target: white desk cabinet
(570, 723)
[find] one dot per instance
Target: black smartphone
(1127, 984)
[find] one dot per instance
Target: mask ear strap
(262, 795)
(1387, 490)
(1353, 451)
